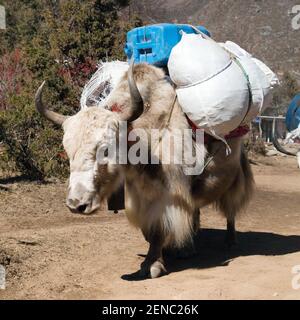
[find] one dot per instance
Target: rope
(171, 111)
(208, 78)
(236, 60)
(165, 126)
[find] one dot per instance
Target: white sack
(212, 88)
(262, 79)
(103, 81)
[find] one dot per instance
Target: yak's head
(87, 134)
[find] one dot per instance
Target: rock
(272, 153)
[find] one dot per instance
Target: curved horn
(276, 143)
(136, 98)
(48, 114)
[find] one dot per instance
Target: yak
(160, 199)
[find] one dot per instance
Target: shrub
(33, 147)
(254, 144)
(57, 41)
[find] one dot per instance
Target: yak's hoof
(157, 269)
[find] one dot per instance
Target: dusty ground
(50, 253)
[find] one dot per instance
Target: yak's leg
(237, 197)
(154, 263)
(146, 237)
(230, 238)
(189, 250)
(196, 221)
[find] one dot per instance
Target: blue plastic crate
(292, 118)
(153, 43)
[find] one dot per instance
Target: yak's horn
(276, 143)
(48, 114)
(137, 103)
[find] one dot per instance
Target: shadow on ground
(212, 251)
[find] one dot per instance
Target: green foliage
(60, 42)
(32, 146)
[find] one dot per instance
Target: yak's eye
(105, 153)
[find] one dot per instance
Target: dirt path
(50, 253)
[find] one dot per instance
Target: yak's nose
(81, 208)
(76, 207)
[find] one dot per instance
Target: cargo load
(103, 81)
(219, 86)
(153, 43)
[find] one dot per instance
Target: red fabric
(116, 108)
(236, 133)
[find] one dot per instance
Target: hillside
(263, 27)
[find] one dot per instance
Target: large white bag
(212, 84)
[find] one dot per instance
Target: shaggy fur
(160, 199)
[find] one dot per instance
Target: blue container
(292, 118)
(153, 43)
